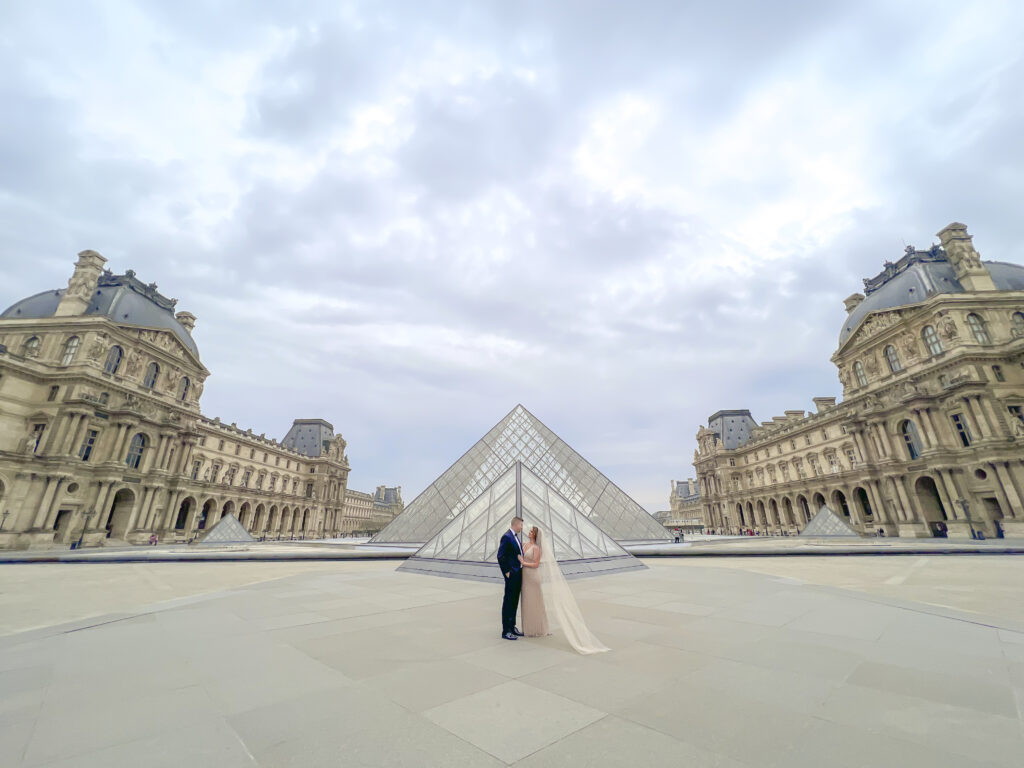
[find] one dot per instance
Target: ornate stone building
(102, 439)
(367, 513)
(929, 437)
(684, 513)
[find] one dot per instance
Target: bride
(545, 589)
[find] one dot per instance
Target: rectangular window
(245, 478)
(221, 446)
(732, 462)
(807, 439)
(833, 465)
(962, 430)
(238, 449)
(196, 466)
(264, 458)
(824, 434)
(202, 440)
(252, 453)
(259, 481)
(997, 371)
(87, 444)
(851, 457)
(309, 490)
(54, 391)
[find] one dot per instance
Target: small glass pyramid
(828, 523)
(467, 546)
(228, 530)
(521, 437)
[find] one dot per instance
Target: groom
(509, 551)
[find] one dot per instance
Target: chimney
(187, 320)
(82, 284)
(966, 261)
(794, 415)
(852, 301)
(823, 403)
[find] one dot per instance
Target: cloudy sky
(407, 217)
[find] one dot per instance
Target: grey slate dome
(123, 298)
(918, 276)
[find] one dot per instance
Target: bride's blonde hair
(535, 534)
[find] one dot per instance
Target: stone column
(927, 441)
(115, 448)
(102, 503)
(933, 432)
(52, 484)
(989, 411)
(1016, 507)
(54, 436)
(948, 490)
(68, 441)
(974, 408)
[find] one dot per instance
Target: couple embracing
(532, 576)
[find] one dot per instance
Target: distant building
(366, 513)
(929, 437)
(684, 511)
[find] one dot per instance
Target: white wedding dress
(562, 609)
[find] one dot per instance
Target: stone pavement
(351, 663)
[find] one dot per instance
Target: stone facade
(929, 437)
(684, 511)
(102, 439)
(367, 513)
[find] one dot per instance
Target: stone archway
(787, 513)
(839, 504)
(804, 507)
(274, 521)
(773, 509)
(286, 522)
(762, 516)
(227, 509)
(305, 521)
(207, 514)
(819, 502)
(185, 511)
(245, 515)
(739, 515)
(930, 503)
(120, 514)
(863, 505)
(259, 522)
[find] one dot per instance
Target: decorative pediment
(873, 325)
(166, 341)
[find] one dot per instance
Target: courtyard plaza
(848, 661)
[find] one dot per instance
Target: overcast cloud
(407, 217)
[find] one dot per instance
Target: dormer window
(858, 371)
(977, 326)
(113, 360)
(70, 348)
(931, 340)
(152, 372)
(892, 358)
(31, 347)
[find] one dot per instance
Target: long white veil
(561, 604)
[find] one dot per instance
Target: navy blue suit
(512, 573)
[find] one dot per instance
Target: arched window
(183, 387)
(31, 347)
(893, 359)
(931, 340)
(152, 372)
(913, 440)
(1017, 319)
(858, 371)
(977, 326)
(113, 359)
(70, 348)
(135, 451)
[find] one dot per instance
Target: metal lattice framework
(467, 546)
(228, 530)
(521, 437)
(828, 523)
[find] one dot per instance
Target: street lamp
(85, 524)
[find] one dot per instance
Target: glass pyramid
(467, 547)
(521, 437)
(828, 523)
(228, 530)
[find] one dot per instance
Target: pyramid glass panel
(467, 546)
(828, 523)
(521, 437)
(228, 530)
